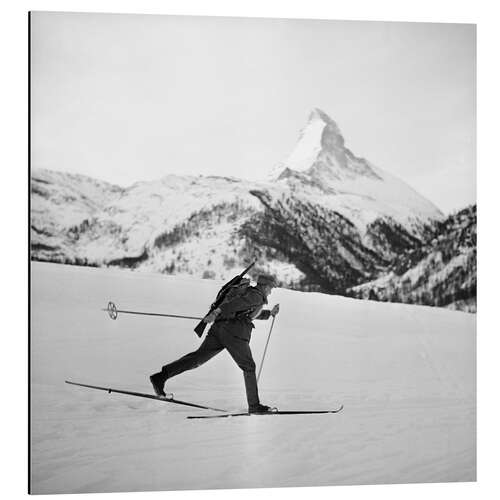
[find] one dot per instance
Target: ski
(319, 412)
(144, 395)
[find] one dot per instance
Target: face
(268, 289)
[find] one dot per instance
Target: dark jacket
(245, 307)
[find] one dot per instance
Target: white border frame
(14, 212)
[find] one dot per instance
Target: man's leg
(207, 350)
(239, 349)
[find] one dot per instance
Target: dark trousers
(233, 336)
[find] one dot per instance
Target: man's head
(266, 283)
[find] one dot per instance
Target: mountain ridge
(332, 223)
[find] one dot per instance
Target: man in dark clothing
(231, 330)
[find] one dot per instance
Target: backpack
(235, 290)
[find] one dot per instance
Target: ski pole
(113, 313)
(265, 349)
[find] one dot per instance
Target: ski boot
(261, 409)
(158, 382)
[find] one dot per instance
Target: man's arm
(266, 313)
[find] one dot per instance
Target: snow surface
(406, 375)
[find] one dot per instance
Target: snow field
(406, 375)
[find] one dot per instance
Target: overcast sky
(126, 97)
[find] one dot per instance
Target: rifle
(200, 327)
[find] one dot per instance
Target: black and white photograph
(252, 252)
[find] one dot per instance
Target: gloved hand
(210, 318)
(275, 310)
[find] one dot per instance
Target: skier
(231, 330)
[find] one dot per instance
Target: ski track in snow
(405, 374)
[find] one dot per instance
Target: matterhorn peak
(331, 135)
(319, 114)
(319, 136)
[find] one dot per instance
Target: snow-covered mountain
(441, 272)
(323, 169)
(326, 220)
(60, 203)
